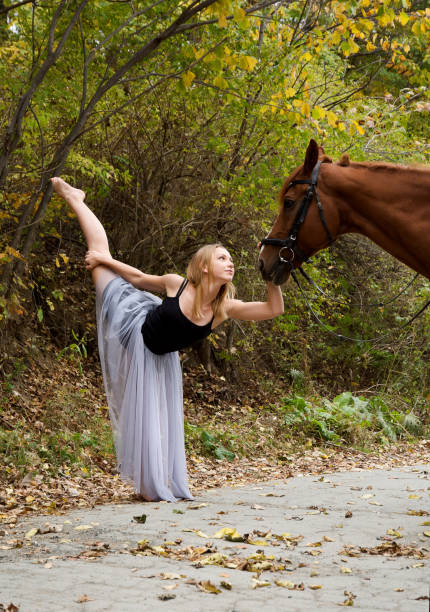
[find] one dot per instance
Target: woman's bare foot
(66, 191)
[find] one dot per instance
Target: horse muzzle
(278, 272)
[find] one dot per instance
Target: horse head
(300, 229)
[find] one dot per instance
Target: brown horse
(388, 203)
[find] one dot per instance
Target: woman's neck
(210, 292)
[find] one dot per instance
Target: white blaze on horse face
(263, 245)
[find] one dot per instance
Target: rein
(342, 336)
(343, 303)
(289, 245)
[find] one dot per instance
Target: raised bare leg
(93, 230)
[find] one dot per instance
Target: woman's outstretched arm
(137, 278)
(258, 311)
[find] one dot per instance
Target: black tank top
(167, 329)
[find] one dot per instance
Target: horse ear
(311, 158)
(344, 160)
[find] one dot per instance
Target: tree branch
(6, 9)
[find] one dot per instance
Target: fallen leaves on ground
(201, 556)
(84, 599)
(43, 494)
(388, 549)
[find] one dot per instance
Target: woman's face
(222, 265)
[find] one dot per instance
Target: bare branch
(85, 69)
(6, 9)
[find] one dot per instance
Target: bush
(348, 418)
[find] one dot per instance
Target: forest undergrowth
(57, 450)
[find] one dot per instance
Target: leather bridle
(288, 248)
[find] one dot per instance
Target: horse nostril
(261, 265)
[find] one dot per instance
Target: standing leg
(93, 230)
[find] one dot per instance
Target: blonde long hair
(203, 259)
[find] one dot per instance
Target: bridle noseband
(289, 245)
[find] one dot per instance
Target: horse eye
(288, 203)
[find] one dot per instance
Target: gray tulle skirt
(144, 393)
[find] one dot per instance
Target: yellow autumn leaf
(384, 20)
(199, 52)
(210, 57)
(259, 583)
(306, 109)
(11, 251)
(319, 113)
(367, 24)
(416, 28)
(359, 128)
(395, 533)
(335, 38)
(239, 15)
(289, 92)
(427, 534)
(287, 584)
(229, 533)
(208, 587)
(332, 119)
(252, 62)
(201, 534)
(220, 82)
(222, 21)
(187, 78)
(247, 62)
(214, 559)
(353, 46)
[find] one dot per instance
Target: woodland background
(180, 120)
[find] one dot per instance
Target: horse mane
(376, 166)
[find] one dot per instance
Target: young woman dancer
(139, 336)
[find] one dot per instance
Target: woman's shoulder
(173, 282)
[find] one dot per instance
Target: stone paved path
(295, 557)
